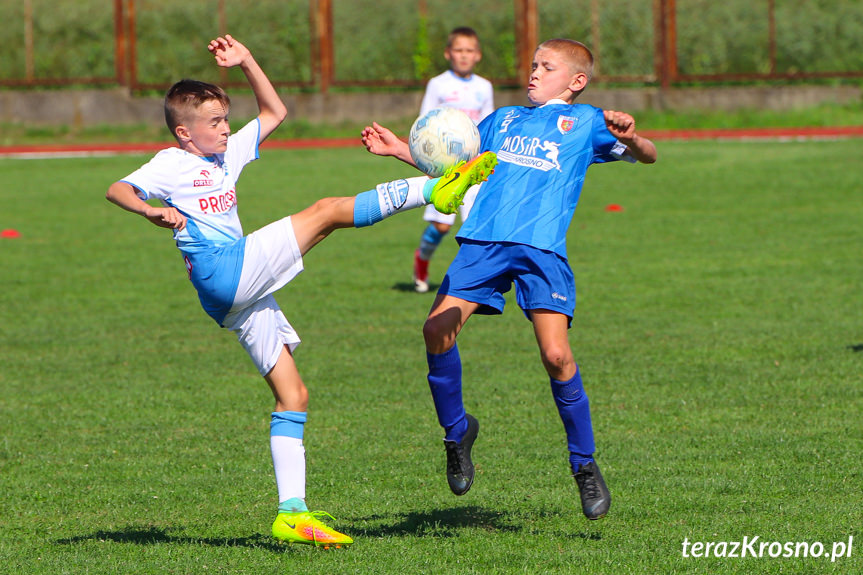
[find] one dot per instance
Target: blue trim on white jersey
(460, 78)
(215, 273)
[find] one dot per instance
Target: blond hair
(578, 56)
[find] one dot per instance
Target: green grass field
(718, 330)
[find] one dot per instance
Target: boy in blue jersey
(517, 234)
(236, 275)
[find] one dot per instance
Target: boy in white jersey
(517, 234)
(235, 275)
(460, 88)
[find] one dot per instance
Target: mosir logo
(218, 203)
(530, 153)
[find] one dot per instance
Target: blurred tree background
(401, 42)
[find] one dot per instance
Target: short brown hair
(577, 55)
(188, 95)
(462, 31)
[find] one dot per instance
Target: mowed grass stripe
(716, 327)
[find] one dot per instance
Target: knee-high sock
(390, 198)
(289, 455)
(574, 409)
(444, 379)
(429, 241)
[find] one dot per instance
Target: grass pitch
(718, 328)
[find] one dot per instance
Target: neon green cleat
(448, 193)
(305, 527)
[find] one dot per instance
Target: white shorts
(271, 259)
(432, 215)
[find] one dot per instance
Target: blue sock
(574, 409)
(429, 241)
(288, 423)
(367, 209)
(293, 505)
(428, 187)
(444, 379)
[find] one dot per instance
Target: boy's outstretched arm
(230, 52)
(124, 196)
(382, 142)
(622, 126)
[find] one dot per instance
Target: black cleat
(595, 498)
(459, 467)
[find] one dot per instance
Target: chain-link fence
(319, 44)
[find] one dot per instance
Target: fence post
(119, 43)
(28, 40)
(658, 41)
(771, 31)
(223, 29)
(323, 20)
(596, 37)
(665, 27)
(133, 45)
(526, 37)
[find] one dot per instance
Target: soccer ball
(441, 138)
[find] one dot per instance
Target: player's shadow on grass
(856, 347)
(439, 523)
(155, 536)
(409, 287)
(447, 523)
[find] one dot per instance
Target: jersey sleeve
(243, 147)
(157, 179)
(606, 148)
(488, 100)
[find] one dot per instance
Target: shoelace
(588, 484)
(316, 515)
(453, 459)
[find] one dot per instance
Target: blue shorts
(483, 271)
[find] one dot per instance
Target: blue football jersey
(543, 155)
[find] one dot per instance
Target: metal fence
(318, 45)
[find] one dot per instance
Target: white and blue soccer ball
(441, 138)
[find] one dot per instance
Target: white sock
(289, 463)
(389, 198)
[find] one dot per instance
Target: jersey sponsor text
(218, 204)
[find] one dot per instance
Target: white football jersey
(203, 188)
(474, 96)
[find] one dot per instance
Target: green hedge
(390, 40)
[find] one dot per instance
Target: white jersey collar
(554, 101)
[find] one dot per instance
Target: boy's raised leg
(316, 222)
